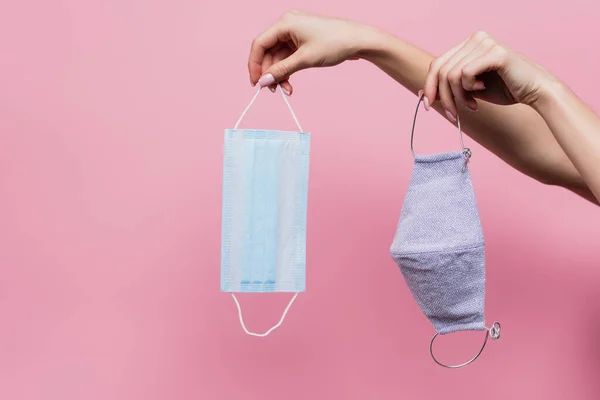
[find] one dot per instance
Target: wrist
(370, 42)
(549, 94)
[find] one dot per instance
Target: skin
(507, 103)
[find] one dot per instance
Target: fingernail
(426, 102)
(251, 82)
(272, 89)
(471, 108)
(266, 80)
(285, 91)
(450, 116)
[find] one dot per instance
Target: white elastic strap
(270, 330)
(284, 99)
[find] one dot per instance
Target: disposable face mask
(265, 191)
(439, 244)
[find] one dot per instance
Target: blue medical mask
(439, 244)
(265, 191)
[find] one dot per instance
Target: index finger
(430, 88)
(261, 44)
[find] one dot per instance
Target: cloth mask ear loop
(277, 325)
(284, 99)
(493, 332)
(466, 151)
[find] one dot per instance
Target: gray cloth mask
(439, 244)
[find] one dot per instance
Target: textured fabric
(439, 244)
(265, 190)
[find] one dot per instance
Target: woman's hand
(480, 67)
(299, 41)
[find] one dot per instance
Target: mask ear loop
(277, 325)
(284, 99)
(493, 332)
(465, 150)
(237, 303)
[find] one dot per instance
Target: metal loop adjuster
(493, 332)
(467, 155)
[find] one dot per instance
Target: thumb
(282, 70)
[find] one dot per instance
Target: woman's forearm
(517, 133)
(576, 128)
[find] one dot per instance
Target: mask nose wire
(465, 150)
(493, 332)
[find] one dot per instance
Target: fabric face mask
(439, 244)
(265, 193)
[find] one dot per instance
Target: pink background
(111, 128)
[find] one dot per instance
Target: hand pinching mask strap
(439, 244)
(265, 190)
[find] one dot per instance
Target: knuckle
(500, 52)
(465, 73)
(281, 70)
(290, 14)
(454, 75)
(480, 35)
(443, 74)
(488, 43)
